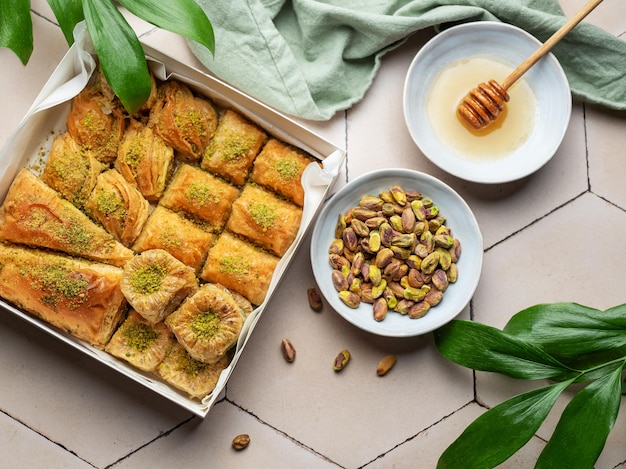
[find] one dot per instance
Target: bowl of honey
(526, 134)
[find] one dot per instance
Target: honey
(513, 126)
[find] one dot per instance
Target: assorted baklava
(153, 236)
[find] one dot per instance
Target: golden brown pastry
(235, 145)
(96, 122)
(140, 343)
(195, 378)
(265, 219)
(243, 302)
(201, 195)
(118, 206)
(279, 167)
(155, 283)
(36, 215)
(207, 324)
(145, 160)
(71, 170)
(180, 237)
(77, 296)
(240, 266)
(186, 122)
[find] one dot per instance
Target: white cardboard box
(46, 118)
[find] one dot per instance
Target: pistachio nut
(445, 259)
(338, 262)
(339, 281)
(413, 195)
(371, 202)
(396, 223)
(350, 299)
(241, 442)
(398, 195)
(386, 197)
(315, 299)
(455, 250)
(380, 308)
(418, 310)
(452, 273)
(414, 294)
(375, 222)
(430, 263)
(336, 247)
(350, 239)
(433, 297)
(378, 290)
(374, 241)
(383, 257)
(419, 210)
(388, 209)
(440, 280)
(360, 228)
(408, 220)
(363, 214)
(341, 360)
(403, 306)
(355, 286)
(386, 364)
(375, 275)
(341, 225)
(288, 350)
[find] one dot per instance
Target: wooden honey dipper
(482, 105)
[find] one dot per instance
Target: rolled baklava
(79, 297)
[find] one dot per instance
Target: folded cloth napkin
(312, 58)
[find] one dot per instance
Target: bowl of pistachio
(397, 253)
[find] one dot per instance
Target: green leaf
(16, 28)
(120, 54)
(585, 424)
(184, 17)
(485, 348)
(68, 13)
(571, 331)
(498, 433)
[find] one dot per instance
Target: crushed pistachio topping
(139, 336)
(201, 194)
(235, 265)
(109, 202)
(235, 147)
(205, 325)
(263, 214)
(287, 168)
(72, 234)
(134, 154)
(57, 283)
(169, 238)
(189, 366)
(147, 279)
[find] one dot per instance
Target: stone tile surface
(555, 236)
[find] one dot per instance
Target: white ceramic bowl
(511, 46)
(459, 218)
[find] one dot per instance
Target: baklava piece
(240, 266)
(118, 206)
(180, 237)
(235, 145)
(141, 343)
(265, 219)
(96, 122)
(71, 170)
(195, 378)
(279, 167)
(185, 121)
(242, 301)
(145, 160)
(36, 215)
(201, 195)
(155, 283)
(207, 324)
(77, 296)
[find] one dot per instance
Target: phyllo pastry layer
(234, 147)
(145, 160)
(279, 166)
(140, 343)
(71, 170)
(155, 283)
(194, 377)
(180, 237)
(77, 296)
(201, 195)
(207, 324)
(265, 219)
(185, 121)
(118, 206)
(240, 266)
(36, 215)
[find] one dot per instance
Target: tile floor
(59, 409)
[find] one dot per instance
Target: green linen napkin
(312, 58)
